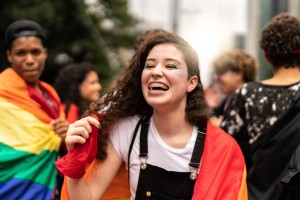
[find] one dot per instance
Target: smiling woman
(165, 77)
(155, 118)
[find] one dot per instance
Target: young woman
(77, 85)
(32, 119)
(155, 119)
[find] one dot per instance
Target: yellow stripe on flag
(23, 131)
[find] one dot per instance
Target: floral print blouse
(256, 107)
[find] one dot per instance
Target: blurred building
(214, 26)
(209, 26)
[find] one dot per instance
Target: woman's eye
(171, 66)
(149, 66)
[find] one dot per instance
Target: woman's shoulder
(259, 88)
(126, 124)
(249, 89)
(122, 133)
(128, 121)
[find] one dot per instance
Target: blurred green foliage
(76, 32)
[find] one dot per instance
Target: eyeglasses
(221, 73)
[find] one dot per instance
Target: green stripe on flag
(23, 165)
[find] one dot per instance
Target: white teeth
(158, 86)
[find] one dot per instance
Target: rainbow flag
(28, 145)
(223, 170)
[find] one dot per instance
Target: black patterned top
(256, 106)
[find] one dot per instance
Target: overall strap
(144, 137)
(198, 148)
(142, 121)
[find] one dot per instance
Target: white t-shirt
(159, 153)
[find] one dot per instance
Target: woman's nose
(157, 71)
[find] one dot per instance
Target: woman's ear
(193, 81)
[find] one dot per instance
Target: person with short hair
(33, 124)
(264, 116)
(231, 70)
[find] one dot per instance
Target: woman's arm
(103, 172)
(99, 180)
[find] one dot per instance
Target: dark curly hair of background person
(280, 40)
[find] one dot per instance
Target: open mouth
(158, 86)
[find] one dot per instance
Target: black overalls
(159, 184)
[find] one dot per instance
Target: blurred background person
(231, 70)
(78, 85)
(264, 116)
(33, 123)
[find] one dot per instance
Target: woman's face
(229, 81)
(165, 81)
(90, 87)
(27, 57)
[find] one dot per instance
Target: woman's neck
(284, 76)
(173, 128)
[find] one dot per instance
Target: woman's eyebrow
(173, 60)
(150, 59)
(167, 59)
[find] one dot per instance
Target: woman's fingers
(79, 131)
(72, 140)
(92, 121)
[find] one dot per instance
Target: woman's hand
(79, 132)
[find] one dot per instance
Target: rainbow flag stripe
(28, 145)
(27, 154)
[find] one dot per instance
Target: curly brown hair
(125, 98)
(237, 60)
(142, 37)
(280, 40)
